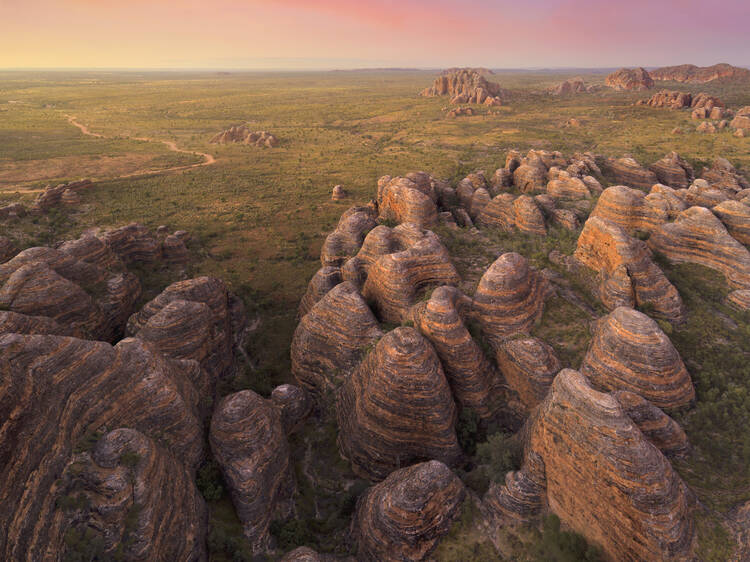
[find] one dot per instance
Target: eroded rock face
(701, 74)
(345, 241)
(465, 85)
(7, 249)
(396, 408)
(657, 426)
(673, 171)
(630, 209)
(528, 216)
(628, 171)
(64, 193)
(325, 279)
(241, 134)
(133, 244)
(594, 468)
(510, 297)
(697, 236)
(630, 352)
(127, 469)
(404, 517)
(625, 267)
(248, 441)
(404, 200)
(723, 176)
(294, 404)
(529, 366)
(669, 99)
(736, 218)
(637, 79)
(331, 339)
(82, 386)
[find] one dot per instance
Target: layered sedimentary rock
(139, 498)
(521, 497)
(90, 249)
(530, 176)
(528, 216)
(741, 121)
(595, 469)
(669, 99)
(701, 74)
(294, 404)
(722, 175)
(395, 280)
(248, 441)
(630, 209)
(630, 352)
(82, 386)
(7, 249)
(473, 379)
(499, 213)
(465, 85)
(325, 279)
(736, 218)
(529, 366)
(14, 323)
(655, 425)
(667, 198)
(345, 241)
(510, 297)
(405, 516)
(133, 244)
(52, 196)
(673, 171)
(697, 236)
(607, 249)
(739, 299)
(701, 194)
(303, 554)
(565, 186)
(241, 134)
(628, 171)
(403, 200)
(630, 79)
(396, 408)
(209, 291)
(572, 86)
(330, 340)
(706, 127)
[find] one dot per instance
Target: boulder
(396, 408)
(630, 352)
(402, 200)
(338, 193)
(133, 244)
(405, 516)
(706, 127)
(565, 186)
(499, 213)
(528, 217)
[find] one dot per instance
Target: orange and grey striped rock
(133, 243)
(403, 200)
(127, 469)
(522, 497)
(325, 279)
(673, 171)
(64, 264)
(294, 404)
(174, 251)
(736, 218)
(394, 281)
(604, 479)
(121, 294)
(565, 186)
(15, 323)
(248, 441)
(90, 249)
(528, 216)
(628, 171)
(565, 218)
(529, 366)
(472, 377)
(530, 176)
(629, 208)
(345, 241)
(80, 386)
(655, 425)
(637, 79)
(7, 249)
(52, 196)
(396, 408)
(697, 236)
(630, 352)
(405, 516)
(213, 293)
(499, 213)
(701, 194)
(607, 249)
(666, 198)
(478, 202)
(722, 175)
(330, 340)
(502, 179)
(739, 299)
(510, 297)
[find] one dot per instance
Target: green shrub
(210, 481)
(500, 454)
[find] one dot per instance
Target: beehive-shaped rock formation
(630, 209)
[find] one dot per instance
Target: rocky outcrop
(723, 176)
(294, 404)
(403, 200)
(690, 73)
(572, 86)
(736, 218)
(739, 299)
(338, 193)
(593, 467)
(396, 408)
(241, 134)
(499, 213)
(82, 386)
(53, 196)
(510, 297)
(472, 378)
(630, 79)
(706, 127)
(325, 279)
(630, 209)
(697, 236)
(627, 274)
(331, 339)
(630, 352)
(669, 99)
(465, 85)
(528, 217)
(664, 197)
(345, 241)
(628, 171)
(7, 249)
(673, 171)
(405, 516)
(566, 186)
(248, 441)
(14, 323)
(396, 280)
(741, 121)
(655, 425)
(529, 366)
(133, 244)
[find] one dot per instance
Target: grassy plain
(259, 216)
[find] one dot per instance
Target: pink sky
(353, 33)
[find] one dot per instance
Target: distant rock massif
(630, 79)
(466, 85)
(241, 134)
(690, 73)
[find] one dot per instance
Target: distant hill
(701, 74)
